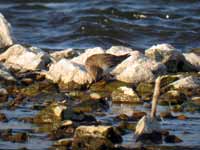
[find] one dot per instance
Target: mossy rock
(145, 90)
(37, 88)
(106, 88)
(51, 114)
(172, 97)
(92, 143)
(120, 96)
(71, 86)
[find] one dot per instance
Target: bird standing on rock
(99, 65)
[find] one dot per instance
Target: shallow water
(57, 24)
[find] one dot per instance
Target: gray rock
(171, 57)
(5, 73)
(19, 57)
(138, 68)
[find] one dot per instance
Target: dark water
(139, 24)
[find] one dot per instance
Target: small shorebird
(99, 65)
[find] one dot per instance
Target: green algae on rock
(125, 95)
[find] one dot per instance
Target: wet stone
(125, 95)
(138, 115)
(148, 138)
(182, 117)
(64, 142)
(167, 115)
(172, 139)
(27, 81)
(3, 117)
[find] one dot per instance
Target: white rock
(88, 52)
(66, 71)
(186, 83)
(147, 125)
(171, 57)
(119, 50)
(5, 73)
(66, 53)
(5, 32)
(138, 68)
(193, 58)
(22, 58)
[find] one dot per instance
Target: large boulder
(138, 68)
(72, 72)
(66, 71)
(5, 33)
(19, 57)
(194, 59)
(171, 57)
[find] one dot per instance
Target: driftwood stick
(156, 95)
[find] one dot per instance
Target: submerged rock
(132, 69)
(125, 95)
(171, 57)
(19, 57)
(6, 38)
(172, 139)
(51, 114)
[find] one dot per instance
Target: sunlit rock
(138, 68)
(66, 53)
(88, 52)
(171, 57)
(125, 95)
(193, 59)
(119, 50)
(5, 32)
(50, 114)
(19, 57)
(66, 71)
(187, 83)
(95, 137)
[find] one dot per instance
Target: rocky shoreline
(59, 86)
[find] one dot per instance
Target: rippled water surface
(58, 24)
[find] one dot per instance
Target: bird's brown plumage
(98, 63)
